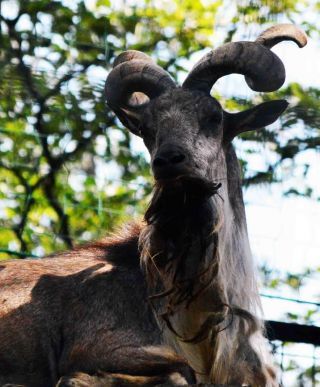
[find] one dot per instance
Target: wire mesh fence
(296, 350)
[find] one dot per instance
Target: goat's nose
(168, 162)
(169, 159)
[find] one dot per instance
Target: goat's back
(72, 312)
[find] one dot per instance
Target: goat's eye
(211, 121)
(146, 132)
(143, 130)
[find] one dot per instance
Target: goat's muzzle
(170, 161)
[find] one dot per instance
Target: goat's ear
(130, 114)
(255, 118)
(131, 120)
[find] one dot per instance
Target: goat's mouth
(183, 201)
(188, 186)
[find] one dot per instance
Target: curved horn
(135, 73)
(263, 70)
(281, 32)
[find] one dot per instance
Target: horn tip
(280, 105)
(281, 32)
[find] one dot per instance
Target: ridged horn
(126, 56)
(263, 70)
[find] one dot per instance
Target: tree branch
(64, 232)
(20, 254)
(18, 229)
(55, 90)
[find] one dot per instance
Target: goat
(173, 300)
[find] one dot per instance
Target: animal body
(174, 300)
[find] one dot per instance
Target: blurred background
(70, 173)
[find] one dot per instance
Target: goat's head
(184, 128)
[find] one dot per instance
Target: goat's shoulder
(119, 249)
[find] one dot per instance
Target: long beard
(180, 246)
(180, 255)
